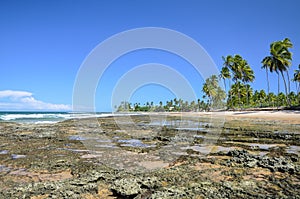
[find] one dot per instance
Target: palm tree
(296, 79)
(238, 94)
(259, 97)
(207, 90)
(282, 99)
(249, 91)
(160, 103)
(247, 76)
(265, 66)
(293, 98)
(210, 88)
(262, 97)
(176, 104)
(279, 59)
(220, 96)
(227, 61)
(271, 98)
(225, 74)
(288, 44)
(238, 63)
(240, 69)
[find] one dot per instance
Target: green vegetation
(172, 105)
(241, 73)
(240, 94)
(279, 61)
(214, 92)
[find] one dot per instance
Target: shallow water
(17, 156)
(3, 152)
(4, 168)
(167, 140)
(134, 143)
(293, 149)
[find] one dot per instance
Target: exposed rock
(128, 187)
(281, 164)
(52, 150)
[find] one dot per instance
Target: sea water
(45, 117)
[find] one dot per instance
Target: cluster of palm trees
(237, 69)
(279, 61)
(240, 93)
(296, 79)
(214, 92)
(171, 105)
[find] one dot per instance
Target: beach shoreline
(286, 116)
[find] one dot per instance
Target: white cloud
(14, 94)
(23, 100)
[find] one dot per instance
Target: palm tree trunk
(239, 96)
(224, 79)
(286, 91)
(278, 91)
(247, 96)
(268, 83)
(298, 93)
(230, 93)
(225, 86)
(289, 81)
(247, 90)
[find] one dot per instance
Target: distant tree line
(170, 106)
(239, 94)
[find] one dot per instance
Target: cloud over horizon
(23, 100)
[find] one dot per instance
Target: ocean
(45, 117)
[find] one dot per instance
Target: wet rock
(277, 164)
(126, 187)
(244, 158)
(150, 182)
(51, 149)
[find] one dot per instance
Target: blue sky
(44, 43)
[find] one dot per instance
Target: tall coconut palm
(265, 66)
(288, 44)
(210, 87)
(262, 97)
(237, 67)
(279, 59)
(296, 79)
(225, 74)
(228, 62)
(272, 98)
(240, 69)
(247, 76)
(237, 93)
(231, 63)
(269, 63)
(249, 91)
(286, 58)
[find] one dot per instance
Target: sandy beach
(287, 117)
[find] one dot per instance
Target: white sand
(290, 117)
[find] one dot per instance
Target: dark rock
(244, 158)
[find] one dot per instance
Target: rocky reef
(150, 157)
